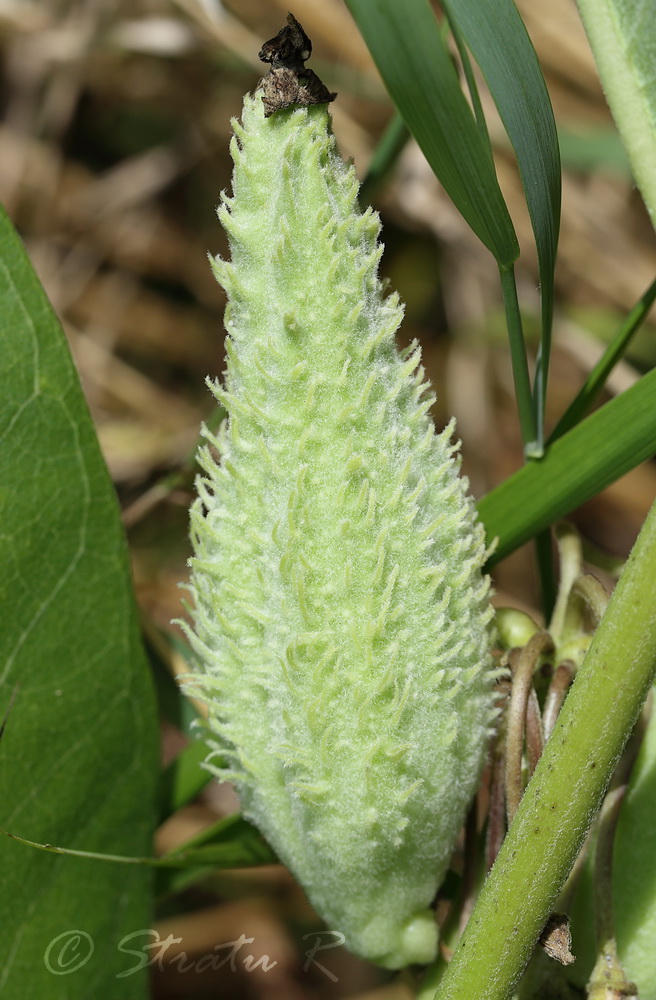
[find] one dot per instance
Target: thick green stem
(565, 791)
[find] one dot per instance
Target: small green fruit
(341, 617)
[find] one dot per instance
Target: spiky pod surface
(341, 618)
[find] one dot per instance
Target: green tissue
(341, 620)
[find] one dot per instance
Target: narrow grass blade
(418, 71)
(229, 843)
(183, 779)
(497, 38)
(519, 363)
(575, 468)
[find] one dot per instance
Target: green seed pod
(341, 618)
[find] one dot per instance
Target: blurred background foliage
(114, 132)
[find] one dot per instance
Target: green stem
(519, 360)
(545, 566)
(570, 562)
(533, 447)
(596, 380)
(565, 791)
(542, 372)
(523, 667)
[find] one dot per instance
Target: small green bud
(341, 617)
(514, 628)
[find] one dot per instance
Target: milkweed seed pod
(341, 618)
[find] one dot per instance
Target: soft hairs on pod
(341, 620)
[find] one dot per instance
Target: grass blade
(412, 58)
(230, 843)
(575, 468)
(519, 363)
(183, 779)
(497, 38)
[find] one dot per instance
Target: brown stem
(522, 664)
(558, 688)
(496, 814)
(534, 732)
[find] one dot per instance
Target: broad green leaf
(418, 71)
(497, 38)
(622, 35)
(79, 753)
(575, 468)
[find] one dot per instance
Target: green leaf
(177, 709)
(634, 871)
(634, 882)
(183, 779)
(575, 468)
(231, 843)
(79, 754)
(498, 40)
(622, 35)
(417, 69)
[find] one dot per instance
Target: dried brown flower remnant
(290, 47)
(288, 82)
(557, 940)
